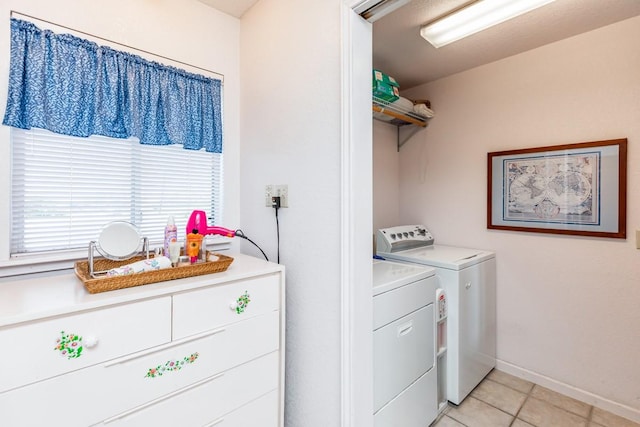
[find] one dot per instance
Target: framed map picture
(575, 189)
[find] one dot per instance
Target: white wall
(187, 31)
(290, 72)
(386, 165)
(568, 313)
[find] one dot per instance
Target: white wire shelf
(400, 116)
(396, 114)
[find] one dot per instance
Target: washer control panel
(402, 237)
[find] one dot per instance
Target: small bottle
(194, 242)
(170, 235)
(174, 252)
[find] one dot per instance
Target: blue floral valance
(75, 87)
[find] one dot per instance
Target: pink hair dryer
(198, 221)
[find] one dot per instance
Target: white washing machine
(468, 276)
(404, 345)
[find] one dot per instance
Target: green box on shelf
(385, 91)
(379, 76)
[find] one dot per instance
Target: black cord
(278, 231)
(241, 234)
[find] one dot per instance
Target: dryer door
(402, 351)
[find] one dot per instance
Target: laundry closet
(449, 331)
(542, 95)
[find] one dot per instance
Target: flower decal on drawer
(69, 345)
(242, 302)
(171, 365)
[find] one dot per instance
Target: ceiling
(399, 51)
(231, 7)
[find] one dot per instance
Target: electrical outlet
(281, 191)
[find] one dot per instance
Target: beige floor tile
(515, 383)
(447, 422)
(500, 396)
(607, 419)
(561, 401)
(520, 423)
(540, 413)
(475, 413)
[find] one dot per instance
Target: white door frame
(356, 221)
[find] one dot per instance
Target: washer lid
(391, 275)
(449, 257)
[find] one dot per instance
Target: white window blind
(65, 189)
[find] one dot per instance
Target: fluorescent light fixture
(372, 10)
(476, 17)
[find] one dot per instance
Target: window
(122, 142)
(65, 189)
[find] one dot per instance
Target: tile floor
(502, 400)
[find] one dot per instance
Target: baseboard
(568, 390)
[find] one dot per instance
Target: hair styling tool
(198, 221)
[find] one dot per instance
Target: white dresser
(202, 351)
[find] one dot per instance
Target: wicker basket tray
(103, 284)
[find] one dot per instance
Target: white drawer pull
(162, 347)
(215, 423)
(161, 399)
(91, 341)
(405, 329)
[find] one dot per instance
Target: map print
(563, 189)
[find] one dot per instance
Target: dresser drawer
(47, 348)
(198, 311)
(98, 392)
(215, 401)
(261, 412)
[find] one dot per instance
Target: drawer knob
(241, 303)
(91, 341)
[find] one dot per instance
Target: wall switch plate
(281, 191)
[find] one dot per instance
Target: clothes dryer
(468, 277)
(404, 345)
